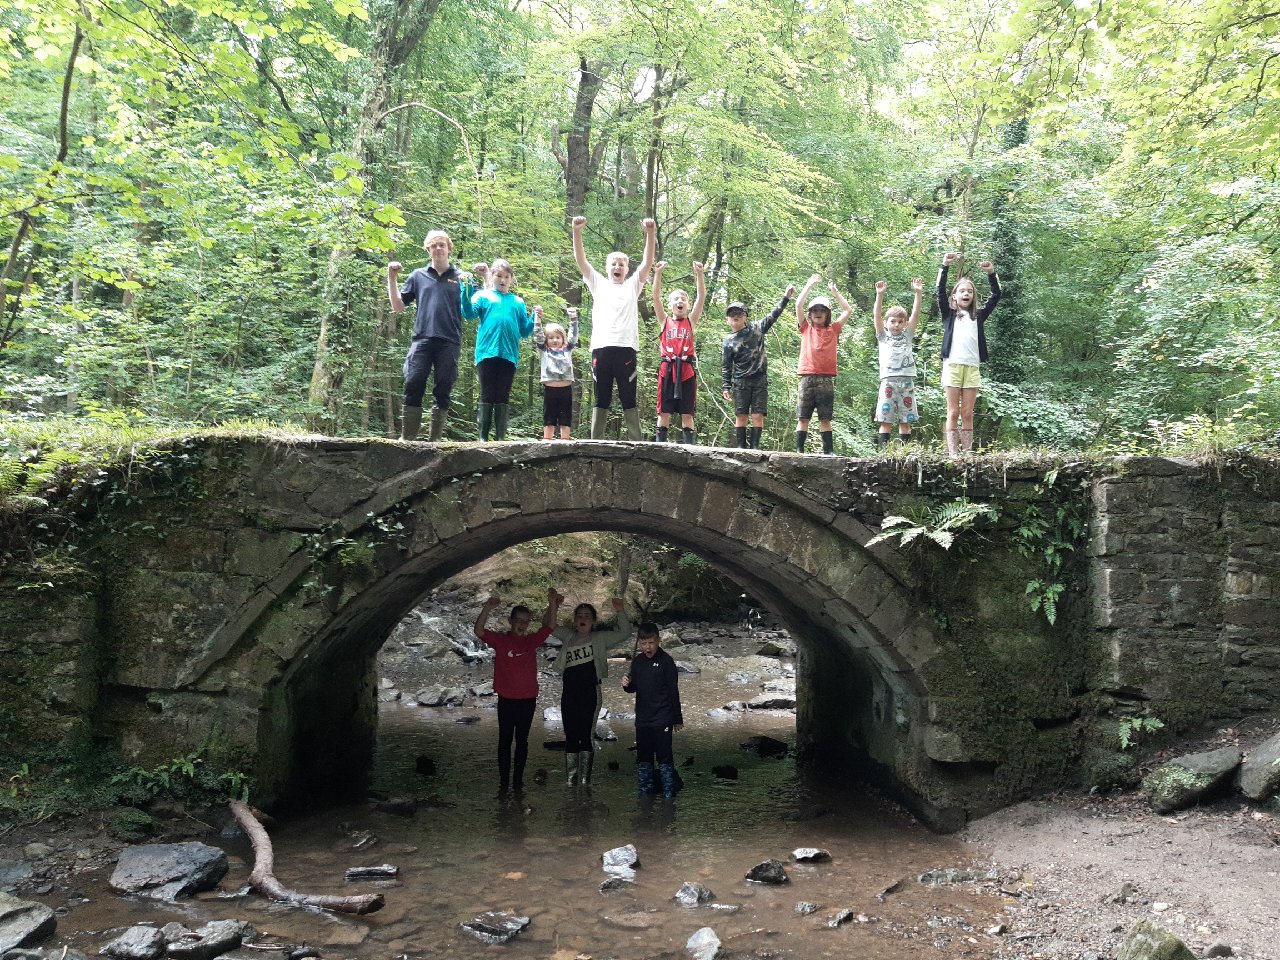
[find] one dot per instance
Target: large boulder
(164, 871)
(1146, 941)
(1260, 773)
(23, 922)
(1185, 781)
(136, 943)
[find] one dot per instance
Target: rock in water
(212, 940)
(495, 927)
(725, 772)
(621, 861)
(764, 746)
(383, 871)
(164, 871)
(424, 766)
(804, 908)
(614, 883)
(1186, 780)
(692, 894)
(1146, 941)
(23, 922)
(136, 943)
(810, 855)
(770, 871)
(840, 918)
(704, 945)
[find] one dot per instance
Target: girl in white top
(964, 347)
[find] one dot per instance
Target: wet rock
(764, 746)
(164, 871)
(933, 878)
(810, 855)
(383, 871)
(212, 940)
(136, 943)
(692, 894)
(1260, 773)
(771, 701)
(47, 953)
(23, 922)
(840, 918)
(439, 696)
(804, 908)
(633, 920)
(1220, 950)
(551, 719)
(604, 732)
(495, 927)
(769, 871)
(37, 851)
(703, 945)
(777, 648)
(726, 907)
(389, 695)
(614, 883)
(424, 766)
(1146, 941)
(1125, 893)
(740, 677)
(482, 689)
(684, 666)
(14, 871)
(621, 861)
(786, 686)
(467, 720)
(1185, 781)
(175, 931)
(725, 771)
(302, 953)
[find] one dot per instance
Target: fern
(940, 524)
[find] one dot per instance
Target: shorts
(668, 402)
(557, 406)
(751, 395)
(897, 403)
(963, 375)
(817, 392)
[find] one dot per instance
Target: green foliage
(1046, 535)
(1130, 729)
(940, 524)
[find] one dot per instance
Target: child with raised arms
(583, 662)
(503, 322)
(677, 370)
(964, 348)
(745, 369)
(819, 340)
(895, 338)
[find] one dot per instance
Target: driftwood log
(262, 878)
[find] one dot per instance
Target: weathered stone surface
(1186, 780)
(164, 871)
(703, 945)
(209, 941)
(1146, 941)
(765, 746)
(24, 923)
(810, 855)
(1260, 772)
(621, 861)
(136, 943)
(692, 894)
(439, 696)
(769, 871)
(495, 927)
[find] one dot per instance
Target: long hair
(975, 306)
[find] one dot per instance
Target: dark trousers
(496, 376)
(515, 717)
(654, 742)
(425, 357)
(557, 406)
(578, 707)
(611, 365)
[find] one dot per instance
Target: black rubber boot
(801, 437)
(828, 442)
(411, 423)
(753, 437)
(688, 436)
(661, 435)
(740, 437)
(501, 412)
(484, 420)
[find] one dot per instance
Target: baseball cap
(820, 302)
(736, 307)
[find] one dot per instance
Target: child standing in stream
(655, 681)
(583, 663)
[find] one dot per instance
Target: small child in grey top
(895, 336)
(556, 347)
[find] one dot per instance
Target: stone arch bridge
(242, 589)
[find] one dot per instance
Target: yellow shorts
(962, 375)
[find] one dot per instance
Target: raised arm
(529, 318)
(944, 302)
(650, 250)
(572, 314)
(917, 289)
(804, 298)
(658, 310)
(554, 599)
(393, 286)
(877, 312)
(776, 312)
(483, 618)
(579, 253)
(539, 337)
(700, 298)
(992, 282)
(846, 311)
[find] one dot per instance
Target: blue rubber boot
(644, 775)
(667, 773)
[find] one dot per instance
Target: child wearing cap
(744, 369)
(819, 337)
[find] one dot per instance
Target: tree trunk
(580, 164)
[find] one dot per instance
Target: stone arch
(310, 635)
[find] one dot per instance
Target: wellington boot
(644, 778)
(740, 438)
(598, 419)
(953, 442)
(687, 436)
(966, 440)
(411, 423)
(801, 437)
(753, 437)
(571, 765)
(632, 419)
(660, 436)
(828, 442)
(667, 774)
(500, 413)
(438, 417)
(484, 420)
(586, 760)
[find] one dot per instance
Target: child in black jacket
(654, 680)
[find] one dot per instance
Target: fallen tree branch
(262, 878)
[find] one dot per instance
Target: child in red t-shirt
(515, 680)
(819, 338)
